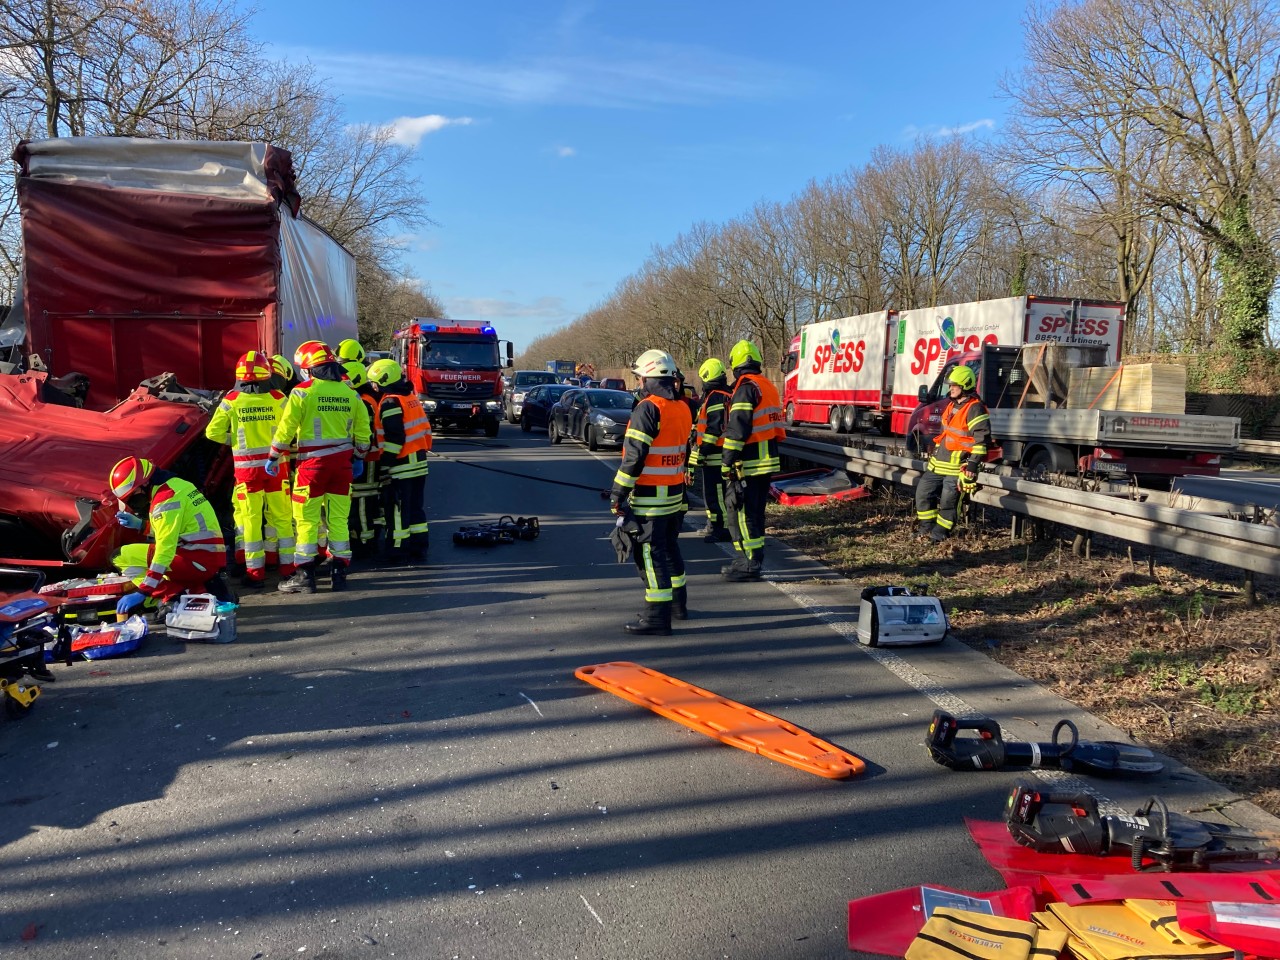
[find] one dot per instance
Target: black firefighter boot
(302, 581)
(337, 575)
(680, 603)
(744, 567)
(654, 621)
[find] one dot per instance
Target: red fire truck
(455, 367)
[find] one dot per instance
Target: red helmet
(312, 354)
(129, 475)
(253, 367)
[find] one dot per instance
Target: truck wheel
(834, 419)
(1040, 462)
(848, 419)
(592, 443)
(491, 428)
(524, 425)
(791, 414)
(553, 434)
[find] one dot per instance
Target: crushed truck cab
(455, 368)
(56, 509)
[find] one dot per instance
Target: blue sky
(558, 143)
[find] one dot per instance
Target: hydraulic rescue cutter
(989, 751)
(1154, 838)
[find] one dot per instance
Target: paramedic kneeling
(187, 552)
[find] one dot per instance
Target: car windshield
(611, 399)
(530, 379)
(459, 354)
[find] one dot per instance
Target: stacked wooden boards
(1140, 387)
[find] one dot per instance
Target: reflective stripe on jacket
(181, 518)
(965, 432)
(754, 425)
(247, 422)
(707, 440)
(324, 417)
(654, 452)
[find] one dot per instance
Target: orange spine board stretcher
(721, 719)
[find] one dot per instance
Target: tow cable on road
(603, 492)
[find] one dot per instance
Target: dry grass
(1175, 658)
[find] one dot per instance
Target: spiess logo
(839, 356)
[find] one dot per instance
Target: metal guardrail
(1233, 543)
(1262, 449)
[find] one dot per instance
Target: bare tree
(1184, 94)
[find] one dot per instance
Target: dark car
(613, 383)
(519, 383)
(594, 416)
(537, 404)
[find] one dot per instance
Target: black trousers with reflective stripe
(657, 556)
(712, 484)
(746, 523)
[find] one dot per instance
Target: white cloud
(613, 73)
(409, 131)
(912, 132)
(563, 151)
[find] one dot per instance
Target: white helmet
(654, 363)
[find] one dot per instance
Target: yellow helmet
(963, 376)
(384, 372)
(281, 366)
(743, 351)
(351, 350)
(355, 373)
(711, 369)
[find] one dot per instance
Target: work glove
(357, 468)
(126, 519)
(620, 505)
(272, 467)
(732, 470)
(965, 485)
(130, 602)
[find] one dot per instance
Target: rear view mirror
(923, 395)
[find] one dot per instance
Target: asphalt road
(411, 768)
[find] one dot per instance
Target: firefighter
(958, 452)
(246, 420)
(329, 425)
(186, 552)
(283, 377)
(753, 427)
(349, 350)
(648, 492)
(367, 520)
(406, 439)
(705, 456)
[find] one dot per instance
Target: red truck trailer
(142, 257)
(455, 367)
(148, 267)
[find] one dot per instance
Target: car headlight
(429, 405)
(600, 420)
(492, 405)
(517, 398)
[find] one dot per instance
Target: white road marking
(589, 907)
(531, 703)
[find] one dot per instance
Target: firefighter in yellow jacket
(958, 452)
(329, 426)
(246, 421)
(405, 437)
(648, 492)
(753, 427)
